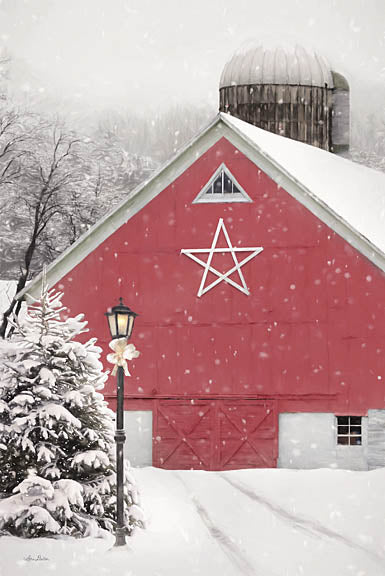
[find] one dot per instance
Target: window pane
(227, 184)
(222, 189)
(355, 430)
(343, 440)
(218, 185)
(355, 441)
(355, 420)
(138, 428)
(343, 420)
(343, 429)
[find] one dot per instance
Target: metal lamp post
(121, 322)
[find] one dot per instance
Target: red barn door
(247, 434)
(183, 434)
(215, 434)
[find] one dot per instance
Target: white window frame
(348, 435)
(204, 198)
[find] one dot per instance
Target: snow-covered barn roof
(348, 197)
(350, 191)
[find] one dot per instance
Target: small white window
(222, 187)
(138, 445)
(349, 430)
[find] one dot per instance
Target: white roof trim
(205, 198)
(221, 126)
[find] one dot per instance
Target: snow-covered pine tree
(57, 452)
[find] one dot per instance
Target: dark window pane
(218, 185)
(343, 440)
(355, 440)
(210, 190)
(227, 184)
(343, 429)
(343, 420)
(355, 420)
(355, 430)
(236, 190)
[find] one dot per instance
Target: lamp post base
(120, 537)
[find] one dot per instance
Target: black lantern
(120, 321)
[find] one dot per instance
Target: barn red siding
(311, 335)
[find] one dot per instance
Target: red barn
(256, 265)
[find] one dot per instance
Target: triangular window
(222, 187)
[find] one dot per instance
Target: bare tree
(58, 186)
(39, 203)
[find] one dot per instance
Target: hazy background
(89, 55)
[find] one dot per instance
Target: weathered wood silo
(291, 92)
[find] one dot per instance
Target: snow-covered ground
(240, 523)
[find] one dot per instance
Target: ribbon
(122, 353)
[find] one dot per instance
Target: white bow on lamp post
(122, 353)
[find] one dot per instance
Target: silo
(289, 91)
(340, 114)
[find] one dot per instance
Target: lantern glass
(121, 321)
(112, 324)
(130, 325)
(122, 324)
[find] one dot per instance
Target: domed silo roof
(256, 64)
(288, 90)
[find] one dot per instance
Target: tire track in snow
(301, 522)
(232, 551)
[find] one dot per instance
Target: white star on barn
(225, 276)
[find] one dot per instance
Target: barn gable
(308, 174)
(222, 371)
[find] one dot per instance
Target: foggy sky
(144, 54)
